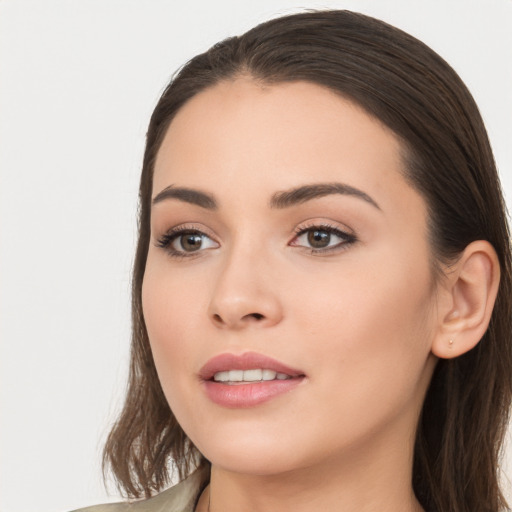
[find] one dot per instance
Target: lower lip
(239, 396)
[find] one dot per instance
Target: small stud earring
(450, 343)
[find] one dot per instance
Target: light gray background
(78, 81)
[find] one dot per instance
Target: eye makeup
(186, 241)
(322, 238)
(315, 238)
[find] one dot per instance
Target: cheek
(171, 300)
(169, 312)
(371, 327)
(157, 307)
(368, 347)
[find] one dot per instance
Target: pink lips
(246, 394)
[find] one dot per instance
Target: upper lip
(246, 361)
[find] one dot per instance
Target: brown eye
(190, 242)
(318, 239)
(181, 242)
(323, 239)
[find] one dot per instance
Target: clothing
(179, 498)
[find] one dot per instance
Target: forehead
(241, 135)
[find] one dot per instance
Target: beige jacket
(180, 498)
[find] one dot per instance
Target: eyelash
(348, 238)
(166, 240)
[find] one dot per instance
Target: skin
(359, 320)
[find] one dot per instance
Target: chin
(252, 455)
(270, 455)
(260, 464)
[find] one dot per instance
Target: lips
(230, 380)
(246, 361)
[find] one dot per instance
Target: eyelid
(343, 232)
(327, 224)
(165, 240)
(189, 226)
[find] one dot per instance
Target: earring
(450, 343)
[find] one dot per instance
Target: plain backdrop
(78, 81)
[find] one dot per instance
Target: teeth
(268, 375)
(236, 375)
(255, 375)
(252, 375)
(221, 377)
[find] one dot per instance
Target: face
(287, 250)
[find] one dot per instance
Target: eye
(186, 242)
(192, 242)
(322, 238)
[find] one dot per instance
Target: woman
(321, 292)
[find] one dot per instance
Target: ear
(466, 299)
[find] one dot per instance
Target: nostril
(237, 321)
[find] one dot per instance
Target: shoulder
(179, 498)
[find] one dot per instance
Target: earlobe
(469, 294)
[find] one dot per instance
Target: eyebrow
(279, 200)
(187, 195)
(299, 195)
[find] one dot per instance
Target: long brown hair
(403, 83)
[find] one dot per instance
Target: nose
(245, 295)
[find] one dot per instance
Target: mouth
(237, 377)
(247, 380)
(246, 367)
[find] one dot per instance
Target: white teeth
(221, 377)
(236, 375)
(269, 375)
(255, 375)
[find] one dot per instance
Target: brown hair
(413, 91)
